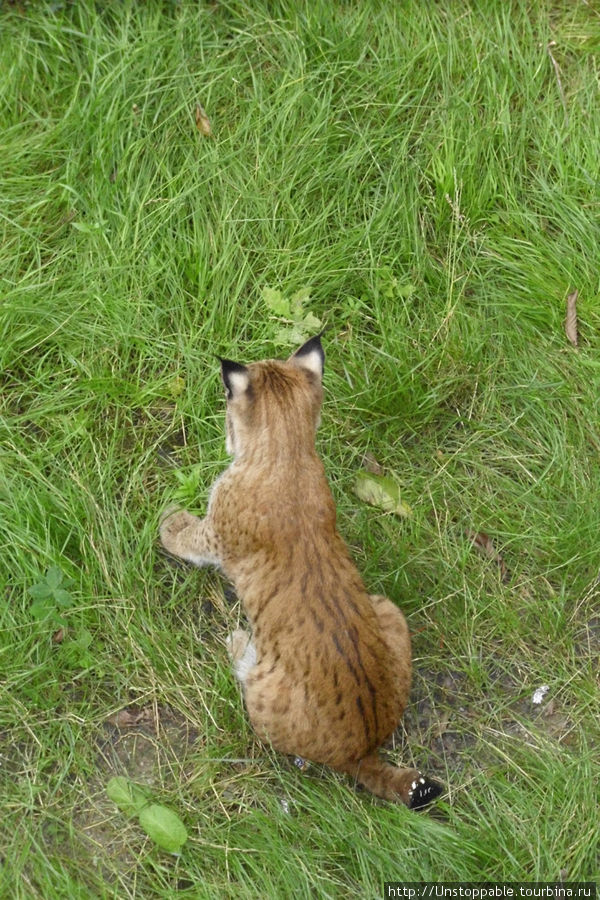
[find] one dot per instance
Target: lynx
(326, 667)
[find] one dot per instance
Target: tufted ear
(235, 378)
(311, 357)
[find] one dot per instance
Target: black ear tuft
(235, 377)
(311, 356)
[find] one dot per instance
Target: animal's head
(274, 403)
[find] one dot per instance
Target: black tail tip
(423, 791)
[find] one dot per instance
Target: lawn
(185, 180)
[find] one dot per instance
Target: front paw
(172, 522)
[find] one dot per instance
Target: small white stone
(421, 780)
(539, 695)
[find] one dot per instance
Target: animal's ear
(235, 378)
(311, 357)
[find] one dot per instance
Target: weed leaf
(276, 302)
(42, 608)
(310, 323)
(160, 823)
(129, 797)
(164, 827)
(285, 337)
(54, 577)
(39, 591)
(190, 482)
(299, 324)
(381, 491)
(296, 334)
(298, 300)
(62, 598)
(84, 639)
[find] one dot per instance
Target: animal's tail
(392, 783)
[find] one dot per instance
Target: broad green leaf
(284, 337)
(84, 639)
(63, 598)
(297, 334)
(298, 301)
(406, 290)
(42, 608)
(86, 227)
(276, 302)
(54, 577)
(311, 324)
(40, 591)
(129, 797)
(381, 491)
(164, 827)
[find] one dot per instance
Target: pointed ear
(311, 357)
(235, 378)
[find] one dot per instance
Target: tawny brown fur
(326, 669)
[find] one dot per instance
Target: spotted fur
(326, 668)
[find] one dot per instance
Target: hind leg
(394, 632)
(242, 653)
(408, 785)
(274, 706)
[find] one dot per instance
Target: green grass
(426, 172)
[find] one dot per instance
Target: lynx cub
(326, 669)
